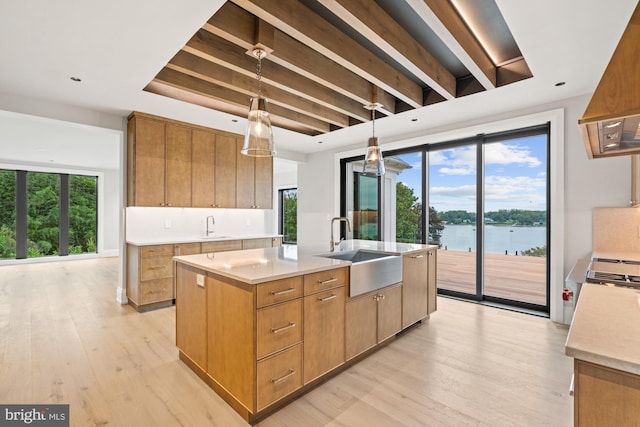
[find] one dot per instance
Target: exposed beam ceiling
(329, 58)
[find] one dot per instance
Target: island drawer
(323, 280)
(279, 375)
(279, 291)
(279, 327)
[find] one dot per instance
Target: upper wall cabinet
(254, 181)
(175, 164)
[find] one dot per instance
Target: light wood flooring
(64, 339)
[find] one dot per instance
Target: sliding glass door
(486, 208)
(453, 197)
(515, 219)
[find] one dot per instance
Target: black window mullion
(480, 219)
(21, 214)
(63, 218)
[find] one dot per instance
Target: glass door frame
(479, 140)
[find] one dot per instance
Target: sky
(515, 176)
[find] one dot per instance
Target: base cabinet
(419, 286)
(323, 332)
(605, 397)
(372, 318)
(150, 274)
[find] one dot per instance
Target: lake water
(497, 238)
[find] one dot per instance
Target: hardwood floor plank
(64, 339)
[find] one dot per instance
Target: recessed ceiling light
(560, 84)
(75, 79)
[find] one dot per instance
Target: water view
(497, 238)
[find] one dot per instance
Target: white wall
(587, 183)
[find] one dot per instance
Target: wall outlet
(200, 280)
(167, 223)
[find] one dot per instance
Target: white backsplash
(167, 224)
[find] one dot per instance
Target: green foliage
(7, 242)
(537, 251)
(43, 212)
(408, 218)
(435, 227)
(502, 216)
(290, 215)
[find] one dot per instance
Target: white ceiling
(116, 47)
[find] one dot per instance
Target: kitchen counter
(255, 266)
(606, 328)
(220, 238)
(263, 326)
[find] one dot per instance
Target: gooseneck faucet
(338, 218)
(210, 222)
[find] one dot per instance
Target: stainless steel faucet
(210, 222)
(338, 218)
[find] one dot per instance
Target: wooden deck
(521, 278)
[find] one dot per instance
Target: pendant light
(258, 139)
(373, 158)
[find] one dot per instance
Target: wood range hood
(610, 125)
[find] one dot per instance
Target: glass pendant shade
(258, 139)
(373, 158)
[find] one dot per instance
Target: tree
(290, 215)
(435, 227)
(408, 218)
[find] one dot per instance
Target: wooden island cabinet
(262, 327)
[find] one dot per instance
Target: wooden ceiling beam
(195, 66)
(238, 26)
(373, 23)
(446, 23)
(180, 94)
(195, 85)
(301, 23)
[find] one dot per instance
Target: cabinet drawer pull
(330, 297)
(417, 256)
(157, 267)
(326, 282)
(284, 291)
(284, 377)
(283, 328)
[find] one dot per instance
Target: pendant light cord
(259, 75)
(373, 122)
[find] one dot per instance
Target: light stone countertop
(255, 266)
(219, 238)
(606, 327)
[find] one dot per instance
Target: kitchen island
(263, 326)
(604, 340)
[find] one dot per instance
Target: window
(45, 214)
(288, 224)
